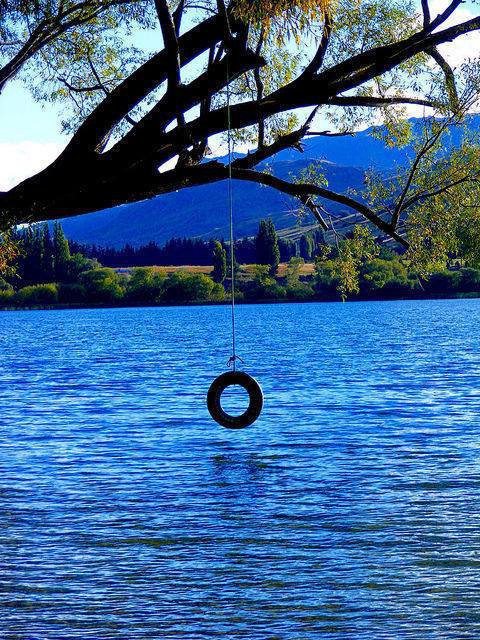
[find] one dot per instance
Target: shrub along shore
(45, 274)
(154, 286)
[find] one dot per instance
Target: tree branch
(139, 84)
(185, 97)
(50, 28)
(289, 140)
(177, 16)
(424, 150)
(329, 134)
(441, 189)
(322, 89)
(378, 101)
(442, 17)
(71, 87)
(96, 75)
(449, 77)
(170, 43)
(374, 62)
(319, 56)
(305, 190)
(260, 92)
(83, 180)
(426, 14)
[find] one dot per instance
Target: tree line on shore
(196, 251)
(48, 270)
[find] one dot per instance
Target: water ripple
(350, 510)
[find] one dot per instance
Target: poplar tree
(47, 261)
(306, 247)
(61, 252)
(266, 244)
(219, 262)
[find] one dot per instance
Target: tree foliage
(357, 266)
(146, 284)
(103, 285)
(188, 287)
(40, 294)
(8, 254)
(40, 256)
(352, 254)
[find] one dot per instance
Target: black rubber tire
(251, 386)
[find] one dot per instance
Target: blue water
(350, 510)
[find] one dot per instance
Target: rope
(232, 362)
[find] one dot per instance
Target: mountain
(203, 211)
(200, 211)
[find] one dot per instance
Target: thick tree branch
(135, 187)
(184, 98)
(302, 190)
(170, 42)
(370, 64)
(82, 179)
(378, 101)
(289, 140)
(177, 16)
(323, 89)
(138, 85)
(426, 14)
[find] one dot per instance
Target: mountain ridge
(203, 211)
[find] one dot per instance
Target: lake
(351, 509)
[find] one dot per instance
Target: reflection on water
(349, 510)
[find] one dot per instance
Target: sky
(31, 136)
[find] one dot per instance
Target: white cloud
(20, 160)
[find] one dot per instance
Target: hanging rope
(233, 378)
(232, 362)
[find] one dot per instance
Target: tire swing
(214, 396)
(233, 377)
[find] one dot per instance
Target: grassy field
(246, 270)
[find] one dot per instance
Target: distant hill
(202, 211)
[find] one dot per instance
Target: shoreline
(222, 303)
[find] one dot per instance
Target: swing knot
(233, 359)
